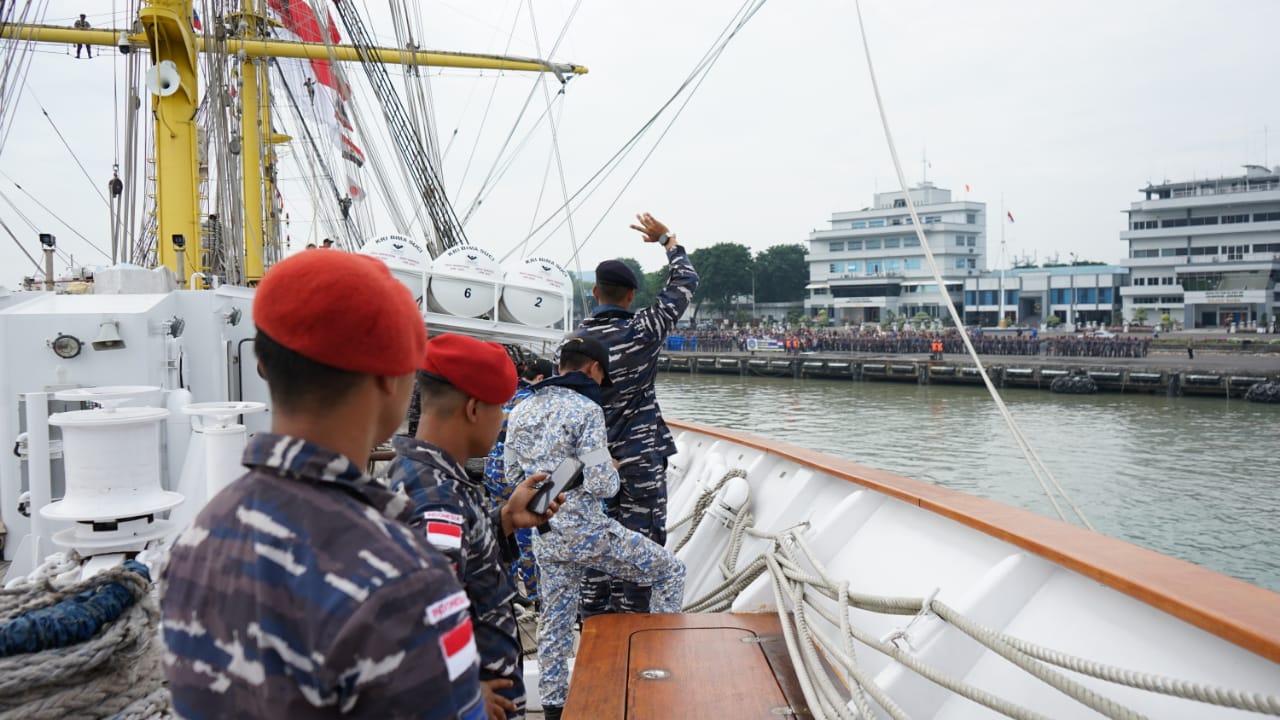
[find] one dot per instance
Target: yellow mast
(167, 26)
(166, 31)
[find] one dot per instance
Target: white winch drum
(535, 292)
(464, 282)
(112, 460)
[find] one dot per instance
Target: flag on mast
(1010, 214)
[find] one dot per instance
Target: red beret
(481, 370)
(342, 310)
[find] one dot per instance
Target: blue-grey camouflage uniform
(638, 437)
(454, 515)
(550, 425)
(299, 592)
(523, 570)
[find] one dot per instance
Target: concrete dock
(1216, 374)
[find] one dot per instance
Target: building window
(855, 244)
(910, 241)
(1175, 222)
(959, 263)
(892, 265)
(855, 267)
(873, 243)
(1204, 220)
(911, 264)
(835, 268)
(1010, 297)
(900, 202)
(873, 267)
(1145, 224)
(837, 246)
(890, 243)
(931, 219)
(971, 218)
(1059, 296)
(1086, 296)
(1166, 281)
(1266, 217)
(1232, 219)
(987, 297)
(1208, 250)
(878, 222)
(1144, 253)
(1266, 247)
(972, 241)
(959, 241)
(858, 224)
(1105, 296)
(971, 263)
(970, 298)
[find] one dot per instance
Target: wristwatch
(666, 240)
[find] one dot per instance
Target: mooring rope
(88, 650)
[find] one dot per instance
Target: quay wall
(1228, 376)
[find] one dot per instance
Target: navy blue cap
(592, 348)
(616, 272)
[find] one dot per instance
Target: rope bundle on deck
(89, 650)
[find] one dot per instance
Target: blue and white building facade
(870, 264)
(1207, 252)
(1076, 294)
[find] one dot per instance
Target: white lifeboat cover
(535, 292)
(397, 250)
(464, 281)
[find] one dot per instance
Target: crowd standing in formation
(309, 589)
(907, 342)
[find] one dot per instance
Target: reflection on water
(1187, 477)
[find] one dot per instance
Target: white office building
(1207, 252)
(870, 264)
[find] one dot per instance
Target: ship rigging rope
(484, 117)
(802, 585)
(555, 144)
(692, 82)
(489, 179)
(1038, 468)
(61, 251)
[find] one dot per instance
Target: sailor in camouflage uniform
(561, 419)
(298, 591)
(463, 386)
(523, 570)
(638, 437)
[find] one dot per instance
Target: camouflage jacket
(635, 424)
(453, 514)
(495, 474)
(299, 592)
(554, 423)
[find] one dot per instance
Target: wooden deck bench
(699, 665)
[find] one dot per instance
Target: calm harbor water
(1193, 478)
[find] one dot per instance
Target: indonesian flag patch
(459, 648)
(443, 535)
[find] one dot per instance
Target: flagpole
(1000, 318)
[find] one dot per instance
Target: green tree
(1140, 316)
(724, 272)
(781, 273)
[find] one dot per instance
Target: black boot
(552, 712)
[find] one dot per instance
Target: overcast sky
(1064, 110)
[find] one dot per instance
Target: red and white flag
(1010, 214)
(459, 648)
(445, 536)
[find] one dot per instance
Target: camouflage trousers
(524, 570)
(624, 554)
(640, 505)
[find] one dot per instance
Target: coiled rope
(88, 650)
